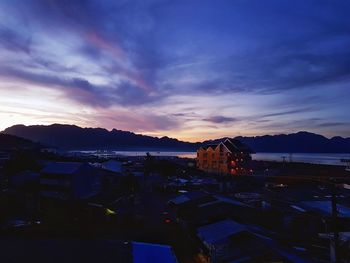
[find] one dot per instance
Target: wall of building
(221, 161)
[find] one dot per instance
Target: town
(221, 206)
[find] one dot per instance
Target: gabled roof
(235, 145)
(61, 167)
(213, 146)
(219, 231)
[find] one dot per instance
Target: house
(229, 241)
(84, 250)
(4, 157)
(228, 157)
(69, 180)
(215, 236)
(23, 179)
(198, 208)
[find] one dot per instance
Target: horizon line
(165, 136)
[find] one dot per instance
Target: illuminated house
(228, 157)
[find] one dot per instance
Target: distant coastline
(314, 158)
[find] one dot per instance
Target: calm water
(317, 158)
(138, 153)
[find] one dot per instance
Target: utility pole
(335, 225)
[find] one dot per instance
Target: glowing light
(109, 212)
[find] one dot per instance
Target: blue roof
(112, 165)
(61, 167)
(219, 231)
(326, 207)
(152, 253)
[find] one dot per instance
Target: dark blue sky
(186, 69)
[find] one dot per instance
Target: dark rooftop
(87, 251)
(235, 145)
(63, 250)
(61, 167)
(232, 145)
(219, 231)
(213, 146)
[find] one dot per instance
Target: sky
(187, 69)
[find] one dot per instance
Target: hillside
(71, 137)
(8, 142)
(302, 142)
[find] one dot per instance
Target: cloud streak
(220, 119)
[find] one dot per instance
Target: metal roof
(219, 231)
(61, 168)
(326, 207)
(112, 165)
(152, 253)
(190, 196)
(179, 200)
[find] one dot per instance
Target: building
(69, 180)
(84, 250)
(228, 157)
(229, 241)
(194, 209)
(23, 179)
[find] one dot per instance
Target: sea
(315, 158)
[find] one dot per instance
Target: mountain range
(71, 137)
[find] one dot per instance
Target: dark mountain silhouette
(71, 137)
(302, 142)
(9, 142)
